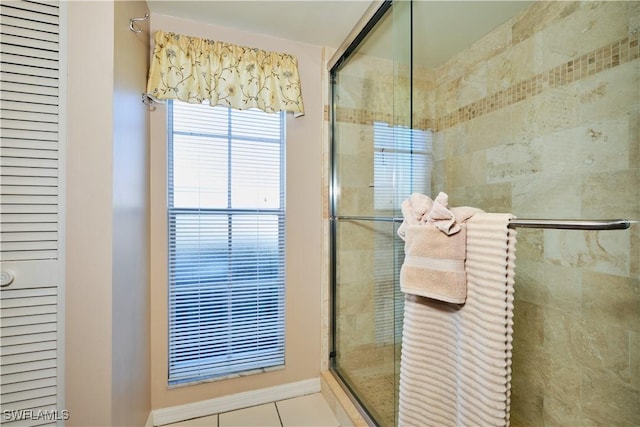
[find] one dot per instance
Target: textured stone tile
(634, 359)
(526, 58)
(530, 246)
(634, 253)
(466, 169)
(606, 398)
(499, 72)
(449, 96)
(614, 194)
(548, 285)
(355, 266)
(521, 120)
(556, 109)
(439, 177)
(611, 93)
(539, 16)
(599, 146)
(561, 413)
(547, 198)
(634, 137)
(357, 169)
(603, 347)
(559, 327)
(602, 251)
(348, 137)
(494, 43)
(353, 298)
(482, 132)
(611, 300)
(597, 23)
(357, 235)
(515, 161)
(455, 140)
(473, 86)
(439, 152)
(527, 386)
(633, 13)
(490, 197)
(528, 328)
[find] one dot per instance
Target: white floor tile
(306, 411)
(210, 421)
(256, 416)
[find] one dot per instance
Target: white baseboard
(172, 414)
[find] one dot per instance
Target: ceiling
(441, 28)
(321, 23)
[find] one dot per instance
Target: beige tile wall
(543, 122)
(541, 118)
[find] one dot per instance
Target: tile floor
(304, 411)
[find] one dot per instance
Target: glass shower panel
(372, 140)
(534, 109)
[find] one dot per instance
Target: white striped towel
(455, 367)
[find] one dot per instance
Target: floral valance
(195, 70)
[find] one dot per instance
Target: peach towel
(435, 248)
(433, 266)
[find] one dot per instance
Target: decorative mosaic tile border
(596, 61)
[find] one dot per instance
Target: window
(402, 165)
(226, 241)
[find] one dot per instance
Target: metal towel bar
(562, 224)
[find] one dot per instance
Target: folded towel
(420, 209)
(434, 263)
(442, 217)
(415, 207)
(435, 239)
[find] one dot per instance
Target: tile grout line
(278, 412)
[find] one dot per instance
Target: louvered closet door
(30, 214)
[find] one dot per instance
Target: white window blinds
(402, 165)
(226, 241)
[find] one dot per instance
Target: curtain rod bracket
(148, 101)
(134, 20)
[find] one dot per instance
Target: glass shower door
(372, 141)
(537, 114)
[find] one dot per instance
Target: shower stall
(531, 108)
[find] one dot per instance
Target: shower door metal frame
(375, 12)
(372, 16)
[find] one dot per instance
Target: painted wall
(131, 382)
(107, 345)
(303, 228)
(89, 214)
